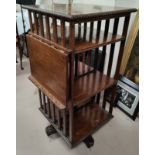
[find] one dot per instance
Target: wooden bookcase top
(79, 11)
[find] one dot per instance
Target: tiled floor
(119, 137)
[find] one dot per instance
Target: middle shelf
(84, 88)
(89, 85)
(82, 44)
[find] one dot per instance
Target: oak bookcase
(67, 47)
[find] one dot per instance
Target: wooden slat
(106, 92)
(49, 107)
(101, 65)
(76, 64)
(72, 46)
(58, 117)
(115, 28)
(79, 31)
(96, 58)
(98, 98)
(41, 25)
(44, 102)
(63, 33)
(30, 20)
(106, 28)
(64, 122)
(83, 64)
(48, 35)
(111, 58)
(35, 23)
(91, 31)
(40, 98)
(55, 34)
(89, 60)
(85, 31)
(98, 30)
(53, 111)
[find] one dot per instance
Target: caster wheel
(89, 141)
(50, 130)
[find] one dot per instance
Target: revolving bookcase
(67, 48)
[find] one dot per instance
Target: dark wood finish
(40, 99)
(48, 35)
(30, 20)
(87, 86)
(63, 33)
(91, 31)
(82, 46)
(79, 31)
(64, 122)
(71, 45)
(36, 26)
(58, 117)
(53, 112)
(50, 130)
(45, 104)
(55, 33)
(48, 70)
(49, 108)
(89, 141)
(67, 66)
(115, 27)
(98, 30)
(88, 121)
(106, 28)
(85, 31)
(80, 12)
(41, 25)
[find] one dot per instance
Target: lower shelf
(86, 121)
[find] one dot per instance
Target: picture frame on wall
(127, 97)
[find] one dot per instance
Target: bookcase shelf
(67, 65)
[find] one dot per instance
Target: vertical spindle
(63, 33)
(30, 20)
(40, 99)
(41, 24)
(48, 35)
(55, 34)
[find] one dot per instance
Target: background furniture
(64, 46)
(20, 48)
(23, 22)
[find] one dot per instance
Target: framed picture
(127, 97)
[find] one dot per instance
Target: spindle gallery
(67, 46)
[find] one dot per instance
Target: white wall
(127, 3)
(97, 2)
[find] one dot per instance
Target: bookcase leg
(50, 130)
(89, 141)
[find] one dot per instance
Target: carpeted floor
(119, 137)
